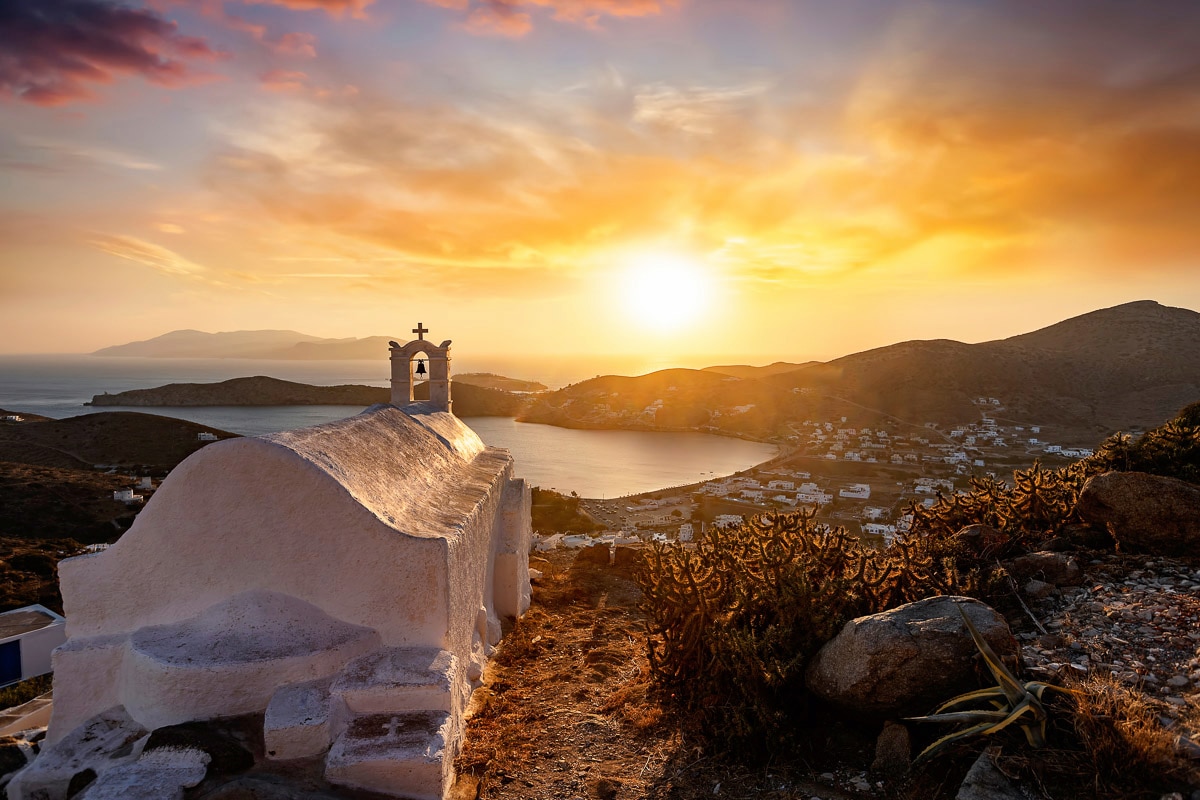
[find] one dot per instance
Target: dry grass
(1109, 742)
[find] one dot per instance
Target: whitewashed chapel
(347, 580)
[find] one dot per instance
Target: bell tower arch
(403, 378)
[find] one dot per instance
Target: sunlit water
(592, 463)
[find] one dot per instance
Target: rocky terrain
(57, 479)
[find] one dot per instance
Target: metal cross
(392, 726)
(420, 331)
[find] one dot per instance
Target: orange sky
(800, 179)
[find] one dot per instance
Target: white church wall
(401, 524)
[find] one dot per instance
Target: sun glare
(666, 291)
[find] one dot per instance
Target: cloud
(280, 80)
(498, 19)
(335, 8)
(54, 51)
(160, 259)
(945, 154)
(296, 44)
(511, 18)
(49, 156)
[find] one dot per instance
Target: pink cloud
(511, 18)
(498, 19)
(334, 8)
(54, 51)
(296, 44)
(280, 80)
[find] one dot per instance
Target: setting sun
(666, 291)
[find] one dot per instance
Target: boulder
(14, 754)
(1145, 513)
(986, 781)
(595, 554)
(893, 750)
(906, 660)
(1057, 569)
(105, 742)
(1038, 590)
(628, 557)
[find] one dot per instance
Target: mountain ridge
(1127, 366)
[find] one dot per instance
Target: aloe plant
(1010, 701)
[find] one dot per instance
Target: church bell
(420, 366)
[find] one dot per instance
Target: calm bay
(593, 463)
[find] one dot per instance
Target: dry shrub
(1128, 748)
(733, 621)
(1106, 742)
(634, 703)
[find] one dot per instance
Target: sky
(692, 181)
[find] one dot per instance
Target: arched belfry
(404, 378)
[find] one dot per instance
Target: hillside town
(862, 478)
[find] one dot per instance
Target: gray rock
(1057, 569)
(904, 661)
(893, 750)
(14, 754)
(985, 781)
(160, 774)
(1145, 513)
(1037, 589)
(104, 742)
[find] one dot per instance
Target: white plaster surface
(399, 679)
(384, 752)
(370, 504)
(391, 542)
(230, 659)
(299, 720)
(105, 742)
(161, 774)
(87, 673)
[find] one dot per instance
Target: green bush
(733, 621)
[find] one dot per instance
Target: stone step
(401, 755)
(298, 722)
(398, 680)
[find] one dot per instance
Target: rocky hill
(1121, 368)
(259, 390)
(43, 503)
(489, 380)
(118, 438)
(469, 400)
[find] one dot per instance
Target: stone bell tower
(403, 378)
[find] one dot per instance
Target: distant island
(265, 345)
(469, 400)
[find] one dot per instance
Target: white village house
(346, 580)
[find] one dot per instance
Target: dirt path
(565, 712)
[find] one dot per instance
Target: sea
(600, 464)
